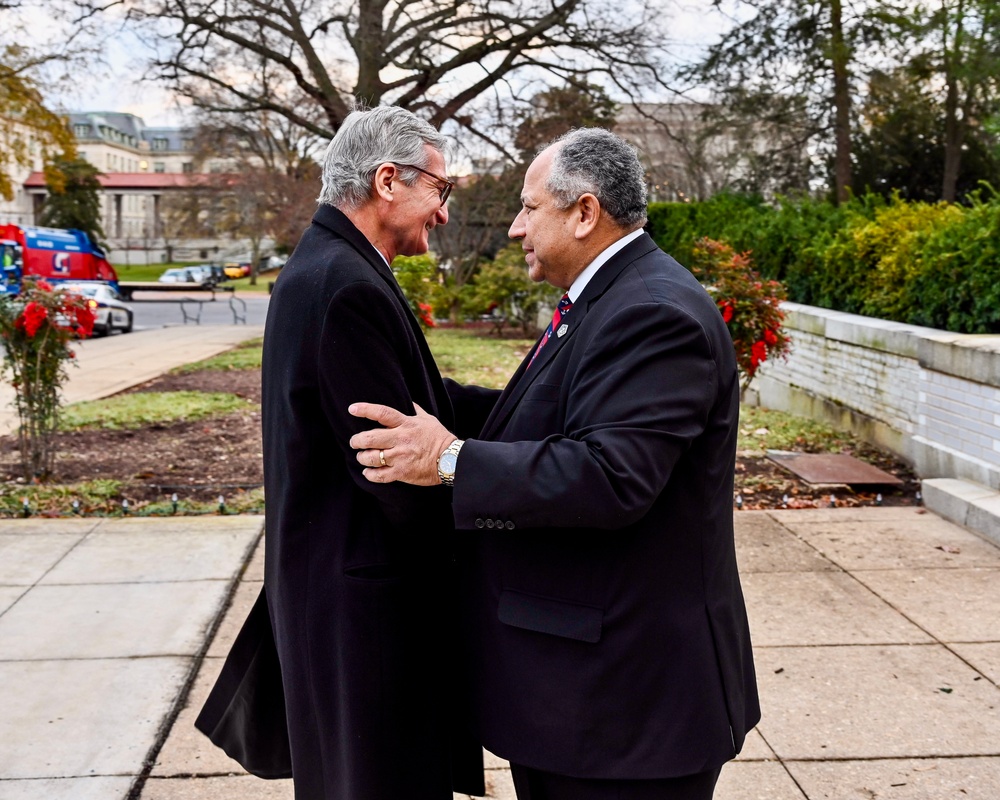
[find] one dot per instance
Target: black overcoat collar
(338, 223)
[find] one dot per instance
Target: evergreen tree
(809, 53)
(74, 199)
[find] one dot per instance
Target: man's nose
(517, 227)
(442, 215)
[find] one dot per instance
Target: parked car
(207, 274)
(236, 270)
(202, 274)
(110, 313)
(178, 275)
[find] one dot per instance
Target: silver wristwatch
(448, 461)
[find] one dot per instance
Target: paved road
(153, 310)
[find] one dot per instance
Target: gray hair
(368, 138)
(596, 161)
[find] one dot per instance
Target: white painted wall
(930, 396)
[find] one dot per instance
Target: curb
(968, 504)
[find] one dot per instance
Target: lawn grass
(245, 356)
(763, 429)
(151, 272)
(148, 272)
(54, 498)
(139, 409)
(469, 357)
(104, 498)
(242, 285)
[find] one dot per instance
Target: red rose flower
(727, 311)
(31, 318)
(758, 354)
(770, 337)
(425, 315)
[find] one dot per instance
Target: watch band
(447, 462)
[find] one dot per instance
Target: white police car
(110, 313)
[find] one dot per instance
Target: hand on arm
(409, 445)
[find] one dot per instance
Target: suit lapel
(524, 377)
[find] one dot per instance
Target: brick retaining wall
(930, 396)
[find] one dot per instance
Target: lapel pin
(562, 330)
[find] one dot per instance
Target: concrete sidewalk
(112, 364)
(877, 643)
(102, 625)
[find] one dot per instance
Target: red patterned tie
(565, 304)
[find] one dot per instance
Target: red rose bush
(750, 306)
(36, 329)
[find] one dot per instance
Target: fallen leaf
(948, 548)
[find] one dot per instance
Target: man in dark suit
(359, 576)
(607, 631)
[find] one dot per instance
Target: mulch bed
(762, 484)
(222, 455)
(196, 460)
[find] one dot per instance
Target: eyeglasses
(444, 191)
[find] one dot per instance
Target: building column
(118, 216)
(157, 220)
(37, 202)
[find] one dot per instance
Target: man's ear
(384, 176)
(588, 210)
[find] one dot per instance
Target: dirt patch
(196, 460)
(222, 455)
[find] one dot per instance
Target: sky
(119, 85)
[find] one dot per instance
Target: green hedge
(920, 263)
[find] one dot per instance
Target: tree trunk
(954, 128)
(369, 45)
(839, 58)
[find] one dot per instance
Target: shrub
(958, 286)
(749, 305)
(502, 288)
(417, 277)
(36, 329)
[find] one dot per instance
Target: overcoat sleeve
(472, 405)
(597, 450)
(369, 352)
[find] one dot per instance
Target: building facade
(144, 173)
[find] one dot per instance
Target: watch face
(448, 463)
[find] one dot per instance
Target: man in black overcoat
(359, 576)
(606, 626)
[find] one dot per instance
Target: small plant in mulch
(37, 328)
(750, 305)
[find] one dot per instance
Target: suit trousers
(534, 784)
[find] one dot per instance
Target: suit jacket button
(480, 523)
(499, 524)
(510, 525)
(489, 523)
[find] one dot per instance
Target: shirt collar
(602, 258)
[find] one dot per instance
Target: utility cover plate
(832, 468)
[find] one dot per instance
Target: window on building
(81, 131)
(160, 143)
(159, 166)
(187, 166)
